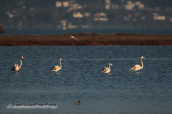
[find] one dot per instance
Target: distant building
(152, 9)
(72, 1)
(100, 17)
(107, 4)
(129, 2)
(75, 6)
(101, 14)
(10, 15)
(66, 4)
(137, 3)
(114, 6)
(158, 17)
(84, 26)
(155, 14)
(77, 15)
(143, 18)
(87, 14)
(130, 5)
(79, 7)
(140, 5)
(70, 26)
(58, 4)
(64, 24)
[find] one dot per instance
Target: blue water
(148, 91)
(89, 31)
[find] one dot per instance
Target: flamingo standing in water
(57, 68)
(106, 69)
(17, 67)
(138, 67)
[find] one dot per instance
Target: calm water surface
(148, 91)
(89, 31)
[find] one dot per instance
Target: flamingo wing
(104, 69)
(74, 37)
(55, 68)
(15, 67)
(137, 66)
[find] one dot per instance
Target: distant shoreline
(85, 39)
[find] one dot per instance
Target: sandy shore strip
(85, 39)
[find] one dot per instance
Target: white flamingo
(57, 68)
(106, 69)
(138, 67)
(17, 67)
(73, 37)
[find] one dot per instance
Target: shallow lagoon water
(147, 91)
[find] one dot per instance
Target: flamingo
(106, 69)
(17, 67)
(73, 37)
(78, 103)
(138, 67)
(57, 68)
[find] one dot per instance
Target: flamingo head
(142, 57)
(110, 64)
(22, 57)
(60, 59)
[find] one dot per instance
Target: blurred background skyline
(89, 14)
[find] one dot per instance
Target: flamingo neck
(20, 63)
(109, 66)
(142, 63)
(60, 64)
